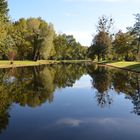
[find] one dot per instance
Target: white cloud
(69, 122)
(108, 123)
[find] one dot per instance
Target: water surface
(69, 102)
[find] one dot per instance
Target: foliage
(35, 39)
(119, 46)
(67, 48)
(105, 24)
(4, 8)
(122, 46)
(135, 30)
(100, 46)
(101, 43)
(48, 45)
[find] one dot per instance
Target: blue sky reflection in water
(81, 102)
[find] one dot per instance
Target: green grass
(6, 64)
(134, 66)
(73, 61)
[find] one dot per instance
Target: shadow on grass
(133, 67)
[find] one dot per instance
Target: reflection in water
(33, 86)
(119, 81)
(102, 82)
(36, 85)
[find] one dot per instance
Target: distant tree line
(34, 39)
(120, 46)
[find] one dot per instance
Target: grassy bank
(7, 64)
(74, 61)
(133, 66)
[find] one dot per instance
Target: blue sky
(77, 17)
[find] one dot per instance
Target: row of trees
(34, 39)
(119, 46)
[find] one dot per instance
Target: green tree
(101, 44)
(135, 30)
(24, 47)
(122, 46)
(40, 35)
(3, 34)
(60, 45)
(4, 28)
(47, 34)
(3, 8)
(67, 48)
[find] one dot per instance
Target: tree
(47, 34)
(4, 28)
(11, 48)
(3, 34)
(40, 35)
(67, 48)
(135, 31)
(101, 44)
(3, 8)
(60, 44)
(122, 46)
(105, 24)
(7, 42)
(33, 36)
(20, 37)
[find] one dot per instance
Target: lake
(69, 102)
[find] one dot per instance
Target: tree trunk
(36, 56)
(98, 57)
(138, 55)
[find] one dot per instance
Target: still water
(69, 102)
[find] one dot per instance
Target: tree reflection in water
(101, 81)
(34, 86)
(105, 79)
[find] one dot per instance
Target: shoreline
(129, 66)
(123, 65)
(16, 64)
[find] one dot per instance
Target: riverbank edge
(124, 65)
(129, 66)
(7, 64)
